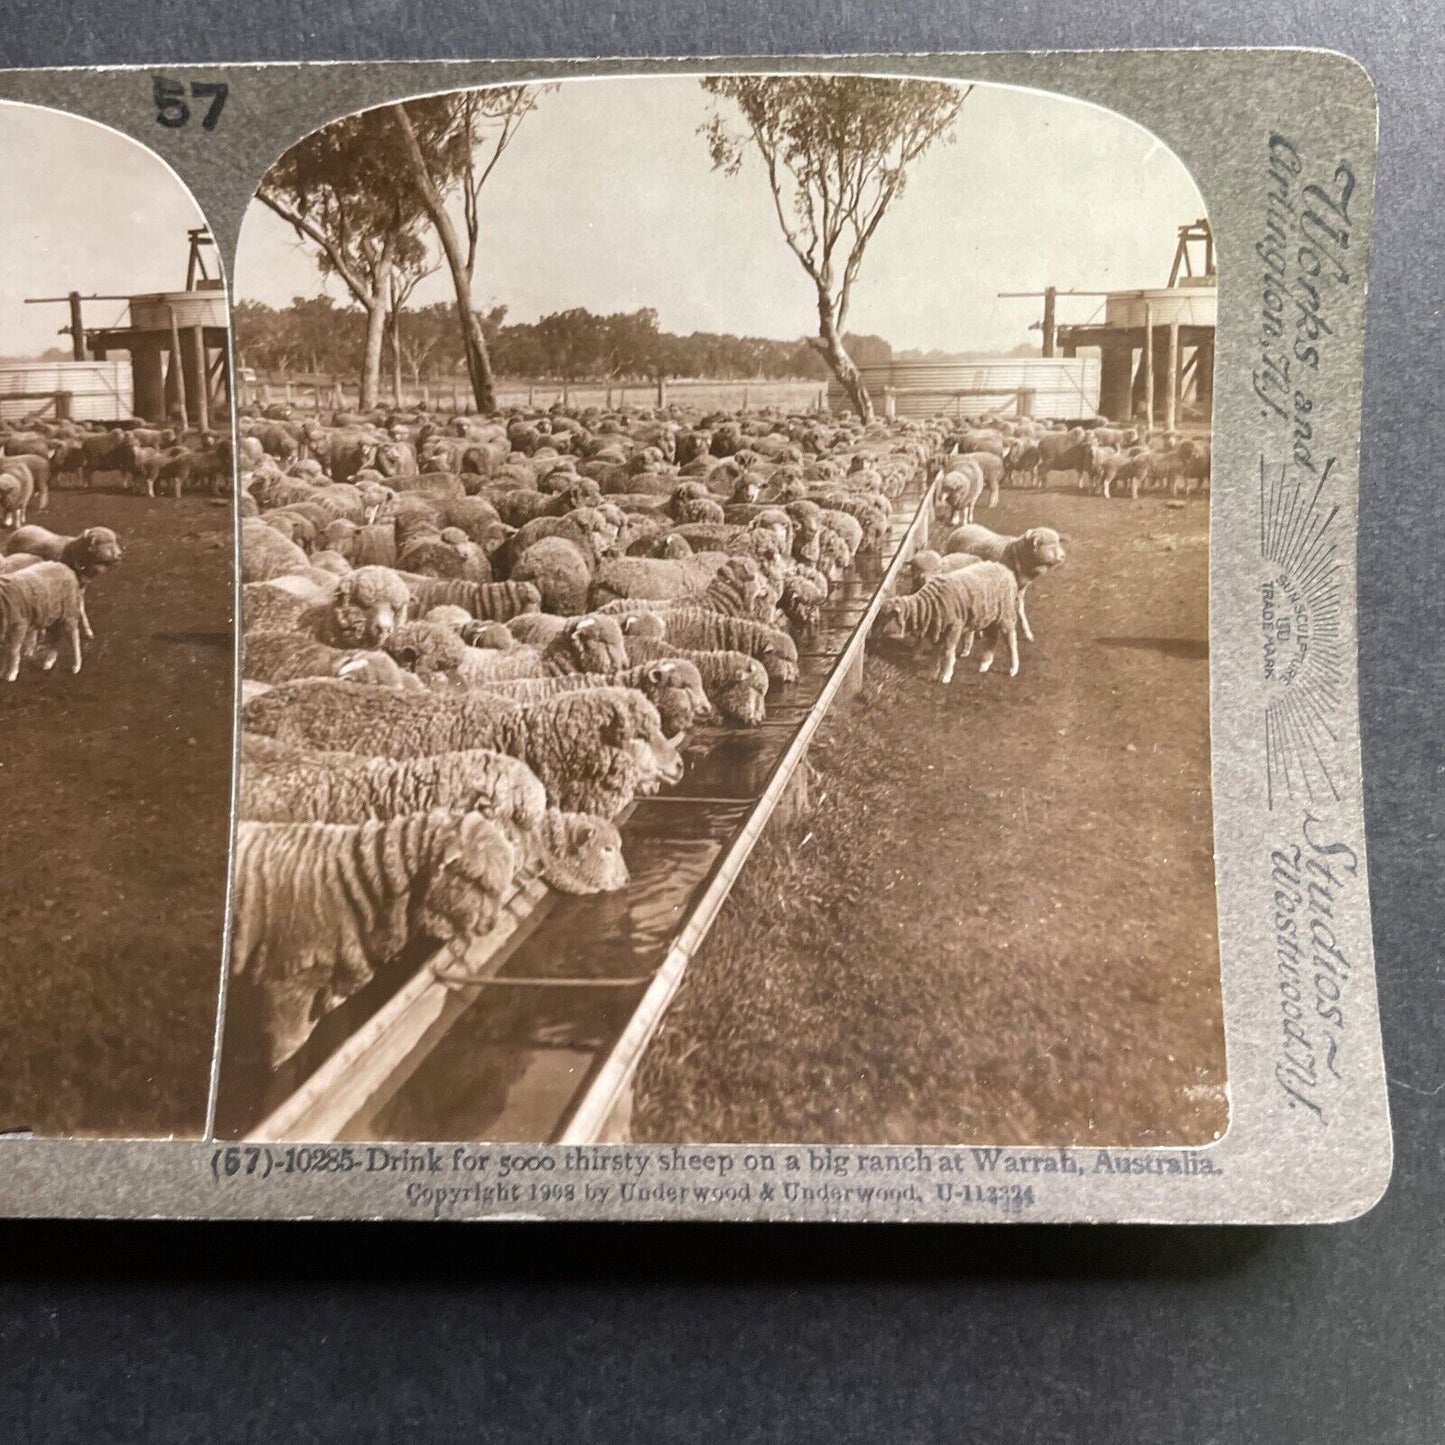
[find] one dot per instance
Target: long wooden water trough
(541, 1038)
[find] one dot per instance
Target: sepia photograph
(116, 655)
(725, 606)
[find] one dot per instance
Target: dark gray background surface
(300, 1333)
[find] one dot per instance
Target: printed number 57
(170, 100)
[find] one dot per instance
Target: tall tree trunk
(371, 358)
(396, 354)
(839, 362)
(474, 343)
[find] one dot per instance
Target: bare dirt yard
(998, 922)
(114, 798)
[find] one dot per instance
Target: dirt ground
(114, 796)
(998, 922)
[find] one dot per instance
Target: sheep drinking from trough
(950, 607)
(321, 906)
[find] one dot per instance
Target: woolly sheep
(265, 553)
(1028, 556)
(561, 570)
(577, 744)
(93, 551)
(950, 607)
(362, 610)
(673, 578)
(735, 684)
(283, 656)
(673, 686)
(322, 906)
(283, 783)
(38, 605)
(711, 631)
(487, 601)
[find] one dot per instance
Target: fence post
(662, 391)
(747, 393)
(290, 400)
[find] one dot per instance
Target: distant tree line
(387, 197)
(315, 335)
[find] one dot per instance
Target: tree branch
(338, 260)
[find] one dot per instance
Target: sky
(606, 200)
(85, 209)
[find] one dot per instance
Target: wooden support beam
(198, 354)
(1149, 365)
(1171, 399)
(77, 327)
(178, 371)
(1051, 296)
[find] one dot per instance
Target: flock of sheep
(44, 574)
(470, 644)
(975, 584)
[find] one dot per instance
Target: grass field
(998, 922)
(114, 793)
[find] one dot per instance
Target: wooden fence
(307, 392)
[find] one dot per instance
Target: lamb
(1021, 460)
(674, 686)
(321, 906)
(1028, 557)
(284, 656)
(963, 484)
(1167, 467)
(265, 553)
(712, 631)
(1131, 466)
(280, 783)
(736, 684)
(950, 607)
(959, 490)
(579, 744)
(37, 605)
(487, 601)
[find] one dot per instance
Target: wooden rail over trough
(542, 1037)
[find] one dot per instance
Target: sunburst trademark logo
(1300, 644)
